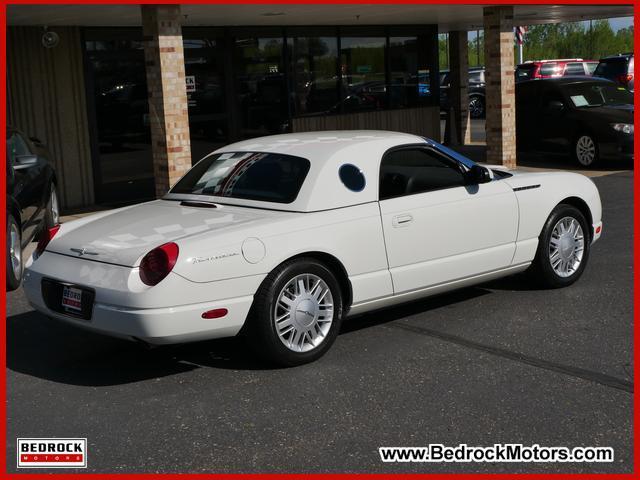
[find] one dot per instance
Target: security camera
(50, 39)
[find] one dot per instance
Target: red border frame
(636, 244)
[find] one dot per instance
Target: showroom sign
(52, 453)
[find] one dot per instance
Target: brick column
(459, 89)
(168, 107)
(500, 89)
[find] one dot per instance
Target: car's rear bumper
(158, 326)
(176, 318)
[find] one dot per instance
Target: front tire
(585, 150)
(563, 248)
(14, 254)
(296, 313)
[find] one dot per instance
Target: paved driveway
(497, 363)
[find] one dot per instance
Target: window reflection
(261, 88)
(315, 83)
(407, 81)
(117, 74)
(204, 70)
(363, 74)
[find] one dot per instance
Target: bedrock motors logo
(52, 453)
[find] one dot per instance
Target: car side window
(574, 68)
(16, 146)
(408, 171)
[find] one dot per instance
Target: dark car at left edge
(32, 203)
(589, 118)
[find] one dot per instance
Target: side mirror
(555, 106)
(478, 174)
(25, 161)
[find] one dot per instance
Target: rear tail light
(625, 78)
(46, 235)
(158, 263)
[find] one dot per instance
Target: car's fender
(539, 193)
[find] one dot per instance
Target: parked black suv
(32, 203)
(618, 68)
(477, 105)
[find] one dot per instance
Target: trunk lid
(124, 236)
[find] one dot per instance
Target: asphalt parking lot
(497, 363)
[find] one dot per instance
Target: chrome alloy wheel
(15, 251)
(566, 247)
(55, 210)
(303, 312)
(585, 150)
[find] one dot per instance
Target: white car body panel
(427, 234)
(456, 237)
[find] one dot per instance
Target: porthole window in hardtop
(352, 177)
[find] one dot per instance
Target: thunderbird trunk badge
(82, 251)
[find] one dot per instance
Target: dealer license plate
(72, 298)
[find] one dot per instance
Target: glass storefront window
(314, 79)
(407, 82)
(362, 65)
(204, 71)
(118, 94)
(261, 89)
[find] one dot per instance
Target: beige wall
(46, 99)
(424, 121)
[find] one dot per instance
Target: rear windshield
(267, 177)
(550, 69)
(611, 68)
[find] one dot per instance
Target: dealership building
(127, 97)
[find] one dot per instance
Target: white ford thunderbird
(282, 237)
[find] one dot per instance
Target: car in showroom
(32, 203)
(589, 118)
(279, 238)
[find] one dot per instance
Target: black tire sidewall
(547, 275)
(262, 331)
(12, 282)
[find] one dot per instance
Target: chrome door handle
(402, 220)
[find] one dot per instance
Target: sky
(618, 23)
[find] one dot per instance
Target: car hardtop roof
(566, 80)
(553, 60)
(621, 56)
(323, 145)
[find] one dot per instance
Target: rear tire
(563, 248)
(296, 313)
(14, 254)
